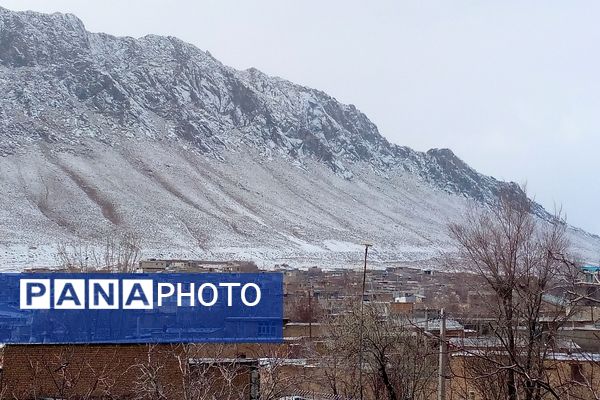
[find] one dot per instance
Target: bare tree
(70, 373)
(304, 308)
(339, 372)
(150, 382)
(192, 372)
(280, 373)
(399, 362)
(118, 251)
(523, 261)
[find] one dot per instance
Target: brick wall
(32, 371)
(131, 371)
(117, 371)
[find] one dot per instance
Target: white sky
(512, 87)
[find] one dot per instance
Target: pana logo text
(43, 294)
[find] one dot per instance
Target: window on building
(266, 329)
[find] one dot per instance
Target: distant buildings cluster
(314, 298)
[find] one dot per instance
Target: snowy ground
(244, 207)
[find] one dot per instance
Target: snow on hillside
(101, 134)
(185, 204)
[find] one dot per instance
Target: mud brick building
(129, 371)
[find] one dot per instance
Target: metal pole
(310, 312)
(442, 360)
(362, 321)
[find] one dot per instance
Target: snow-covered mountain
(152, 135)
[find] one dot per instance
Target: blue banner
(141, 308)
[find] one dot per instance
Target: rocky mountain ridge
(66, 93)
(62, 84)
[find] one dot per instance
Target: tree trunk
(386, 381)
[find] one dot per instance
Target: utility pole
(310, 311)
(443, 357)
(362, 321)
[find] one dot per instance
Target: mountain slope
(101, 133)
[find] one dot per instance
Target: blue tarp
(590, 268)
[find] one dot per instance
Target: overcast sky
(512, 88)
